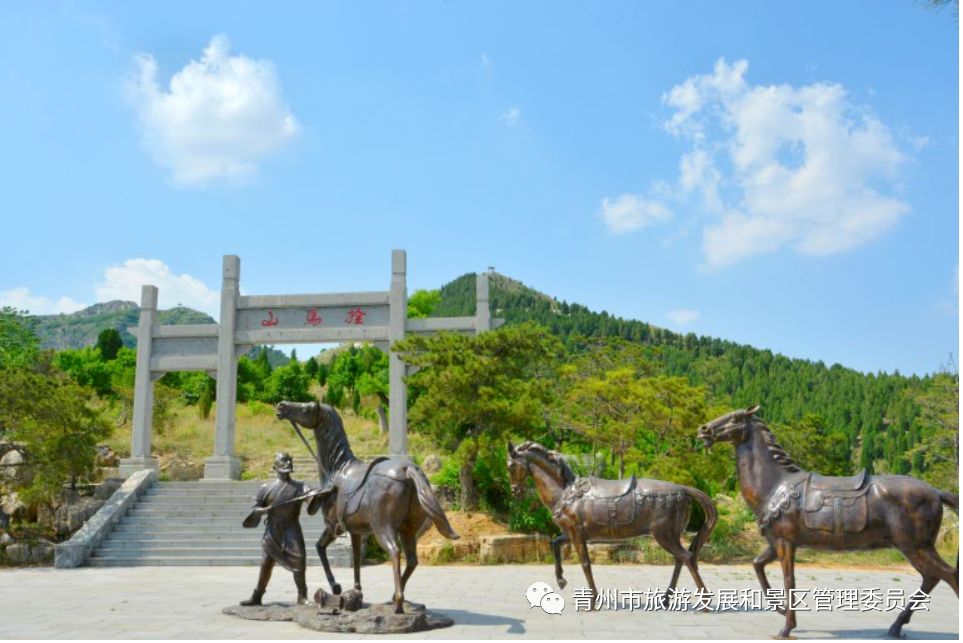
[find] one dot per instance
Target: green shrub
(373, 550)
(529, 515)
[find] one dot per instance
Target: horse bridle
(528, 469)
(317, 459)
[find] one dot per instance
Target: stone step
(125, 530)
(201, 503)
(216, 487)
(223, 523)
(149, 511)
(226, 520)
(253, 551)
(190, 512)
(190, 531)
(187, 491)
(200, 497)
(147, 543)
(203, 534)
(199, 523)
(207, 486)
(210, 503)
(191, 561)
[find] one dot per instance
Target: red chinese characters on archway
(313, 318)
(355, 317)
(271, 320)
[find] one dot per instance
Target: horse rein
(297, 430)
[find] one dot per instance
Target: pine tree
(109, 342)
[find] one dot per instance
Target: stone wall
(75, 551)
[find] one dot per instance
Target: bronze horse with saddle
(797, 508)
(588, 509)
(388, 497)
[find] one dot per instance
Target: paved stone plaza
(485, 602)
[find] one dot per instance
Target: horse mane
(332, 440)
(779, 454)
(554, 458)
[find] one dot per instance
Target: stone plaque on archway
(380, 317)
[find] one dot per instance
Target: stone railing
(75, 551)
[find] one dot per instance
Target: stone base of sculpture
(334, 614)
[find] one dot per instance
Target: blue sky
(784, 175)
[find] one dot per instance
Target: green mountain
(79, 329)
(877, 413)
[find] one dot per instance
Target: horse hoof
(896, 633)
(335, 589)
(561, 582)
(783, 637)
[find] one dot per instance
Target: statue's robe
(283, 540)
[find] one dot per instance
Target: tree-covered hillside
(886, 422)
(880, 415)
(80, 329)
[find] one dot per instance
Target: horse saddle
(351, 487)
(612, 502)
(607, 489)
(836, 504)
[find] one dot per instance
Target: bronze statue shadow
(465, 617)
(880, 634)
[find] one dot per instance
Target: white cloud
(631, 212)
(125, 282)
(22, 299)
(485, 60)
(683, 316)
(779, 165)
(511, 117)
(219, 117)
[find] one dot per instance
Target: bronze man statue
(283, 542)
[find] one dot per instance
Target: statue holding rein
(586, 509)
(796, 508)
(389, 497)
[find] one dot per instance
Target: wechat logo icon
(542, 595)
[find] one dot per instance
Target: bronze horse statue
(796, 508)
(590, 508)
(388, 497)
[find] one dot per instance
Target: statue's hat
(283, 463)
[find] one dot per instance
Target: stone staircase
(199, 523)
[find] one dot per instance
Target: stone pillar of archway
(397, 388)
(224, 464)
(142, 420)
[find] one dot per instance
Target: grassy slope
(259, 435)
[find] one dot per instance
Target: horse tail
(429, 503)
(952, 501)
(711, 515)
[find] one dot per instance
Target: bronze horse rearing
(389, 497)
(797, 508)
